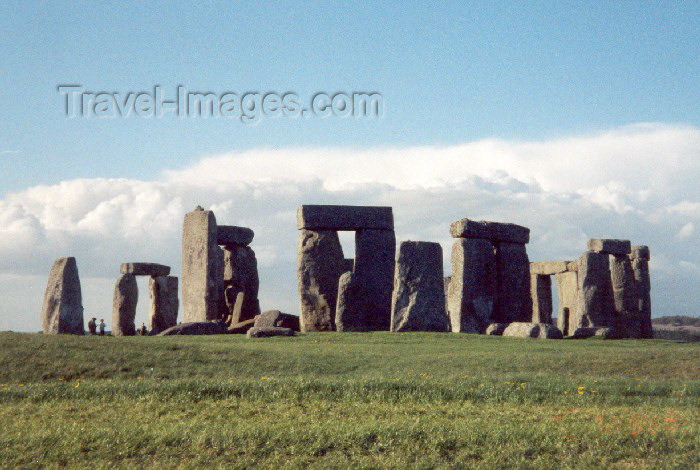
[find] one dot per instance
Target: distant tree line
(677, 320)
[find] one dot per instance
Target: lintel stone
(145, 269)
(641, 252)
(548, 268)
(330, 217)
(495, 231)
(610, 246)
(234, 235)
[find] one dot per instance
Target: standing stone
(351, 308)
(541, 288)
(62, 312)
(627, 318)
(126, 296)
(595, 305)
(513, 303)
(320, 264)
(374, 268)
(418, 301)
(164, 303)
(640, 266)
(202, 267)
(472, 288)
(567, 292)
(241, 274)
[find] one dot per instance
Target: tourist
(143, 331)
(102, 327)
(92, 326)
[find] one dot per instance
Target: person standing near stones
(102, 327)
(143, 331)
(92, 326)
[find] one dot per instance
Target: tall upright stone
(541, 288)
(241, 274)
(126, 296)
(418, 300)
(320, 263)
(62, 311)
(351, 308)
(202, 267)
(640, 265)
(164, 303)
(374, 269)
(627, 317)
(473, 285)
(595, 305)
(567, 292)
(513, 303)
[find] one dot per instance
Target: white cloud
(635, 182)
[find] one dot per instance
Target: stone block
(588, 332)
(595, 305)
(164, 303)
(277, 319)
(623, 285)
(494, 231)
(215, 327)
(532, 330)
(549, 267)
(126, 296)
(513, 302)
(62, 310)
(329, 217)
(610, 246)
(351, 308)
(541, 292)
(642, 280)
(375, 252)
(232, 235)
(418, 301)
(567, 292)
(241, 274)
(145, 269)
(496, 329)
(241, 327)
(268, 332)
(641, 252)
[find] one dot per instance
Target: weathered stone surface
(164, 303)
(496, 329)
(472, 289)
(241, 327)
(241, 274)
(62, 311)
(541, 288)
(567, 292)
(267, 332)
(329, 217)
(532, 330)
(232, 235)
(494, 231)
(642, 279)
(549, 267)
(202, 268)
(640, 251)
(215, 327)
(595, 305)
(418, 301)
(588, 332)
(145, 269)
(351, 308)
(513, 302)
(610, 246)
(126, 296)
(374, 269)
(277, 319)
(627, 318)
(320, 264)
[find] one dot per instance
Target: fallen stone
(375, 252)
(145, 269)
(228, 235)
(496, 329)
(595, 305)
(277, 319)
(241, 327)
(126, 296)
(513, 302)
(472, 289)
(549, 267)
(319, 266)
(62, 311)
(640, 252)
(494, 231)
(351, 308)
(533, 330)
(418, 302)
(267, 332)
(610, 246)
(588, 332)
(329, 217)
(541, 291)
(202, 268)
(216, 327)
(164, 303)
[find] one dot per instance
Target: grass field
(348, 400)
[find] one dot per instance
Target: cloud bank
(636, 182)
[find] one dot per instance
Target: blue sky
(449, 73)
(577, 119)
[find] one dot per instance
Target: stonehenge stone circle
(351, 308)
(202, 267)
(62, 311)
(164, 305)
(144, 269)
(126, 295)
(541, 288)
(532, 330)
(418, 301)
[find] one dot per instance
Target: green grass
(348, 400)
